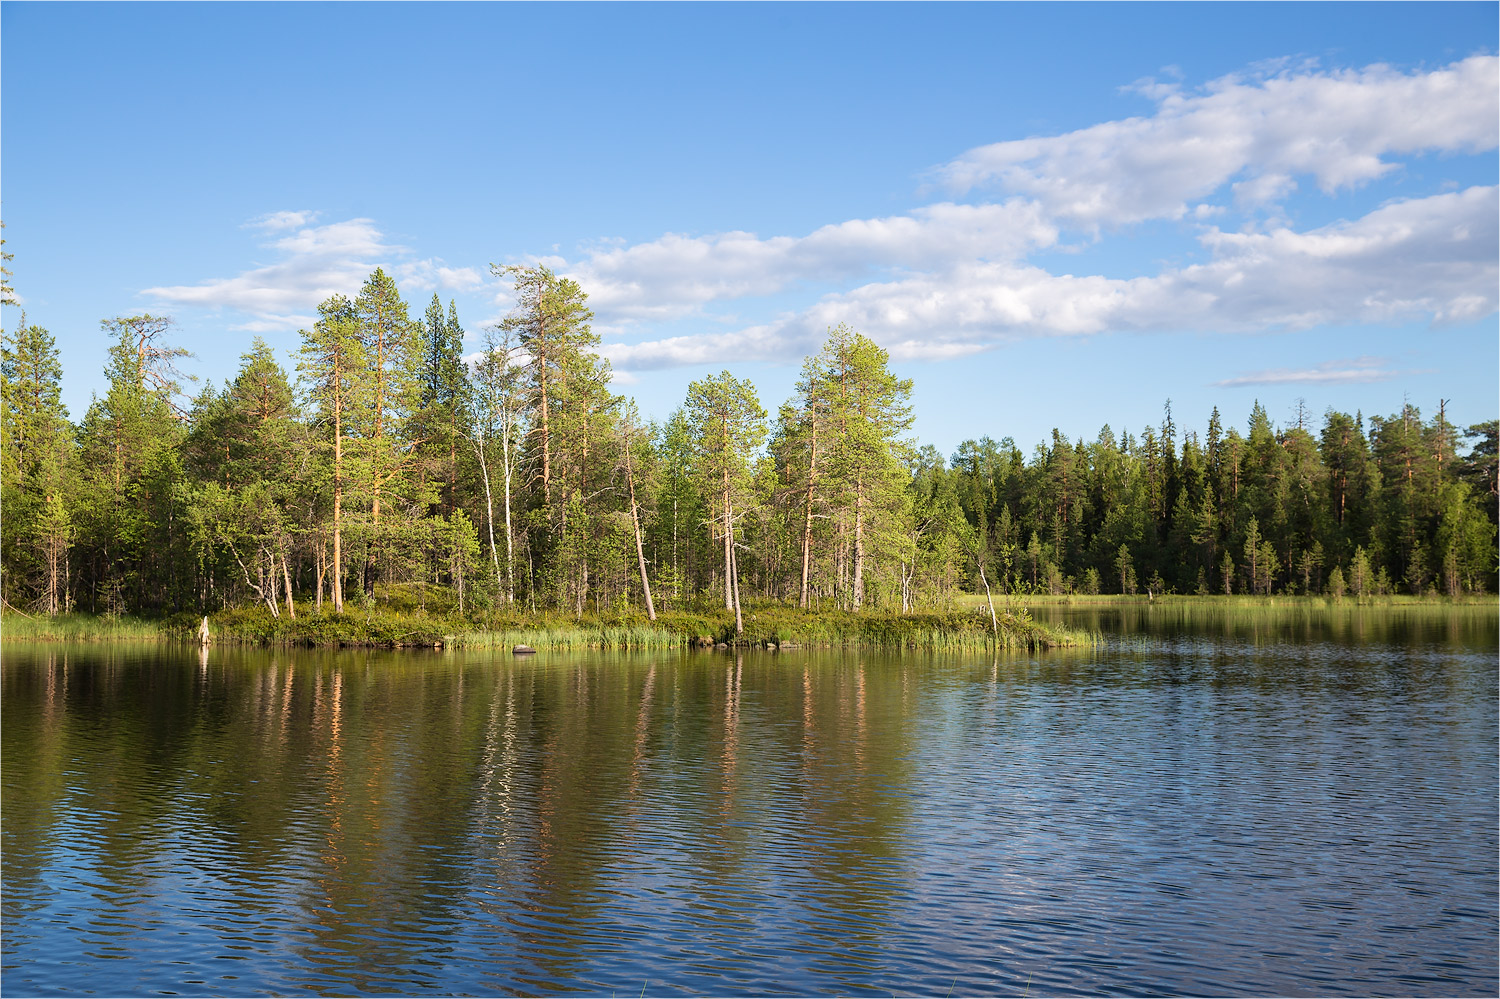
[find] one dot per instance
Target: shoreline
(966, 627)
(765, 628)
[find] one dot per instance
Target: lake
(1270, 802)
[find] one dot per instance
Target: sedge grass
(766, 625)
(80, 628)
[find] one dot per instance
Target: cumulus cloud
(434, 274)
(275, 221)
(1353, 371)
(1340, 128)
(950, 279)
(1428, 258)
(316, 261)
(676, 275)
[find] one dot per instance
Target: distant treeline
(522, 481)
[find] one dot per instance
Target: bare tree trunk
(489, 509)
(541, 363)
(259, 587)
(640, 552)
(994, 621)
(338, 505)
(728, 548)
(812, 474)
(510, 551)
(733, 585)
(269, 576)
(858, 596)
(286, 575)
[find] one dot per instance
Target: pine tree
(727, 425)
(36, 465)
(333, 372)
(868, 409)
(391, 352)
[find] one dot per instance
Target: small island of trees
(391, 470)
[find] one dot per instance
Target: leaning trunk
(489, 509)
(728, 547)
(994, 621)
(640, 551)
(286, 575)
(734, 584)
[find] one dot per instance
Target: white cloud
(275, 221)
(675, 275)
(1338, 127)
(949, 279)
(1354, 371)
(433, 273)
(316, 261)
(1429, 258)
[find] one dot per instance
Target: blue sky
(1052, 215)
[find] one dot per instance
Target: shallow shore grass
(773, 624)
(1236, 601)
(80, 628)
(766, 626)
(568, 639)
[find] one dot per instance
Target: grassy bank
(765, 626)
(1480, 600)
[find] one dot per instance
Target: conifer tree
(727, 424)
(332, 369)
(36, 449)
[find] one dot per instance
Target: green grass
(408, 625)
(1483, 600)
(567, 639)
(80, 628)
(409, 620)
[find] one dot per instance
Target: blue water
(1183, 810)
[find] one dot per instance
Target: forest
(513, 480)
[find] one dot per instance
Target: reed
(1236, 601)
(566, 639)
(766, 625)
(15, 627)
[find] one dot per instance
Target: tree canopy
(390, 465)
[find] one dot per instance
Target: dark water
(1276, 804)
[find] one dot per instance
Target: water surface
(1291, 804)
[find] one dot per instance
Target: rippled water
(1276, 804)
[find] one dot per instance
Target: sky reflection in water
(1278, 804)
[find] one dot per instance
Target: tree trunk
(541, 369)
(812, 474)
(510, 552)
(338, 498)
(286, 575)
(734, 583)
(635, 520)
(489, 509)
(994, 621)
(858, 597)
(728, 547)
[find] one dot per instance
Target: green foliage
(523, 494)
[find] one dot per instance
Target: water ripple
(1179, 812)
